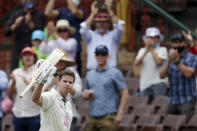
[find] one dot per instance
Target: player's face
(101, 58)
(102, 26)
(64, 33)
(66, 83)
(36, 43)
(61, 65)
(28, 59)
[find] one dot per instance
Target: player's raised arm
(36, 97)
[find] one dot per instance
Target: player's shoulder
(17, 70)
(50, 93)
(114, 70)
(191, 56)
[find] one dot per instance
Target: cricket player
(56, 111)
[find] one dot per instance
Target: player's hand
(148, 43)
(18, 20)
(173, 55)
(87, 94)
(12, 76)
(118, 118)
(94, 9)
(27, 18)
(187, 35)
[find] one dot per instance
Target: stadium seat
(83, 109)
(191, 125)
(146, 120)
(160, 110)
(142, 110)
(159, 101)
(134, 101)
(126, 122)
(151, 128)
(173, 122)
(132, 84)
(7, 123)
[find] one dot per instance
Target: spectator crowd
(170, 73)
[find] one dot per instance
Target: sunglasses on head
(101, 53)
(62, 30)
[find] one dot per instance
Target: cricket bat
(46, 68)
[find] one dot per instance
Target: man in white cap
(151, 57)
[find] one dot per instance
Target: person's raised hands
(18, 20)
(94, 9)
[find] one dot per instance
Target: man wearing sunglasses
(180, 70)
(107, 88)
(62, 34)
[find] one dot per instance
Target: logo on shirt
(66, 120)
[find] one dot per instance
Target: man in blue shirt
(105, 87)
(74, 15)
(180, 69)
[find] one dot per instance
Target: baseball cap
(37, 35)
(177, 36)
(101, 49)
(28, 4)
(28, 50)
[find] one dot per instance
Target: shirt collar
(106, 68)
(96, 31)
(30, 68)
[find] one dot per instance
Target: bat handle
(27, 89)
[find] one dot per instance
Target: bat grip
(27, 89)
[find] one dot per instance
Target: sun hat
(153, 32)
(69, 61)
(64, 24)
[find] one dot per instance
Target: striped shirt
(182, 89)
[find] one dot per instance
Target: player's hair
(66, 72)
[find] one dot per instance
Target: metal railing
(168, 17)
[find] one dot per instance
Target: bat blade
(44, 70)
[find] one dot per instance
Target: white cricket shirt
(56, 115)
